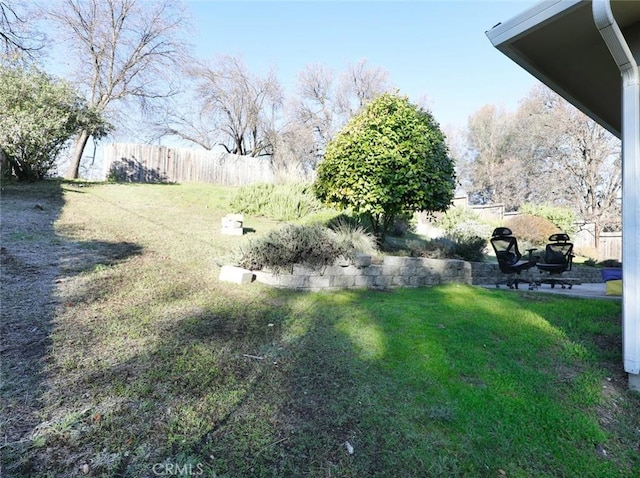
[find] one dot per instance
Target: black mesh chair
(558, 258)
(510, 261)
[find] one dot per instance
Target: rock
(235, 274)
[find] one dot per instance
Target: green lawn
(150, 365)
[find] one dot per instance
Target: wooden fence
(610, 246)
(149, 163)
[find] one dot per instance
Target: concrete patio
(587, 290)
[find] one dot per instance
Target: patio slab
(587, 290)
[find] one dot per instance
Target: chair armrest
(570, 261)
(530, 255)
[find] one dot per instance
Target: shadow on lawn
(34, 260)
(448, 381)
(423, 382)
(419, 383)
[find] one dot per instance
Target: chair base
(514, 280)
(564, 282)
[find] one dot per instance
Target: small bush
(352, 238)
(351, 221)
(401, 224)
(470, 248)
(563, 218)
(439, 248)
(252, 199)
(455, 216)
(531, 230)
(282, 202)
(450, 247)
(313, 246)
(609, 263)
(471, 229)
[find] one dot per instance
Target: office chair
(558, 258)
(510, 260)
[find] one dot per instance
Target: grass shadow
(34, 260)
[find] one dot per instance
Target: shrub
(470, 248)
(401, 224)
(352, 238)
(454, 216)
(390, 158)
(563, 218)
(609, 263)
(282, 202)
(313, 246)
(470, 230)
(439, 248)
(531, 230)
(40, 114)
(450, 247)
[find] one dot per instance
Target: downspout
(623, 56)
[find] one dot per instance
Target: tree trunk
(78, 149)
(596, 235)
(6, 168)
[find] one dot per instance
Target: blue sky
(436, 49)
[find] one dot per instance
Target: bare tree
(584, 158)
(293, 153)
(326, 101)
(491, 167)
(16, 33)
(234, 108)
(124, 49)
(358, 85)
(546, 152)
(315, 105)
(186, 116)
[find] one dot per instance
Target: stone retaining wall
(373, 273)
(484, 273)
(392, 271)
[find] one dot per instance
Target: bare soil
(29, 261)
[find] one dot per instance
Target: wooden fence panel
(610, 246)
(150, 163)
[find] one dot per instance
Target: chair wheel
(563, 286)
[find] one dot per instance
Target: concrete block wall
(373, 273)
(393, 271)
(485, 273)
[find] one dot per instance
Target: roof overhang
(558, 42)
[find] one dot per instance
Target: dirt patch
(29, 267)
(35, 264)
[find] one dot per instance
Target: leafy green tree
(39, 115)
(388, 160)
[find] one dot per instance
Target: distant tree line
(546, 152)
